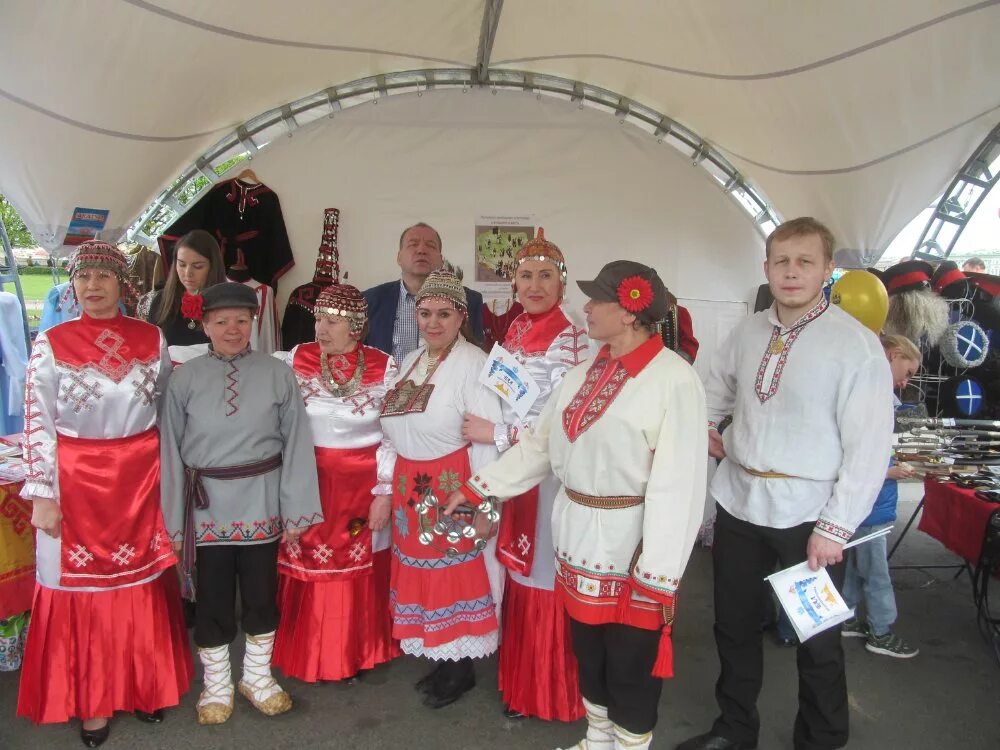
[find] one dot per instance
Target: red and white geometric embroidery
(124, 554)
(112, 363)
(294, 550)
(322, 554)
(571, 347)
(156, 541)
(78, 391)
(145, 385)
(357, 552)
(591, 401)
(33, 458)
(80, 556)
(309, 388)
(518, 329)
(362, 400)
(523, 544)
(767, 390)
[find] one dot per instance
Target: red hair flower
(635, 294)
(191, 306)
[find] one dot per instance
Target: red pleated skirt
(90, 654)
(331, 630)
(538, 672)
(435, 598)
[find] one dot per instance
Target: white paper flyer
(809, 597)
(509, 379)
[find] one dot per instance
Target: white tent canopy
(854, 112)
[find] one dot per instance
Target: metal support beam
(957, 205)
(289, 119)
(206, 170)
(258, 133)
(487, 33)
(246, 141)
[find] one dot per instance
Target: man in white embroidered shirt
(809, 390)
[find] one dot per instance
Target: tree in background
(17, 232)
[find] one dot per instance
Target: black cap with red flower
(635, 287)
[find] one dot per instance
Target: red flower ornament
(191, 306)
(635, 294)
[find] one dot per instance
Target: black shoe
(426, 683)
(354, 679)
(457, 678)
(709, 741)
(95, 737)
(513, 713)
(154, 718)
(784, 642)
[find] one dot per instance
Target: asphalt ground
(947, 697)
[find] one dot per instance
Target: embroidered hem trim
(833, 531)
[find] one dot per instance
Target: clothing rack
(9, 275)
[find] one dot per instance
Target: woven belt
(196, 497)
(767, 474)
(611, 502)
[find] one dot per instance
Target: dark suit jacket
(383, 301)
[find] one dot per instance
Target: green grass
(34, 287)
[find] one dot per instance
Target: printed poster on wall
(85, 225)
(497, 240)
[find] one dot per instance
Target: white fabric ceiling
(856, 112)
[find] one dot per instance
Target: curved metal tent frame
(957, 205)
(262, 130)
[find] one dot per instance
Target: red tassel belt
(196, 497)
(610, 502)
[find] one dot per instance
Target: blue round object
(964, 344)
(969, 397)
(972, 341)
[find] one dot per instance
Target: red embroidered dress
(537, 671)
(103, 614)
(442, 607)
(334, 585)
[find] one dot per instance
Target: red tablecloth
(17, 552)
(955, 517)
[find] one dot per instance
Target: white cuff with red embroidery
(833, 531)
(475, 490)
(504, 436)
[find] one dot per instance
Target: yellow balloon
(863, 295)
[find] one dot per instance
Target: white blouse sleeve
(40, 408)
(476, 399)
(286, 357)
(720, 387)
(865, 419)
(385, 454)
(675, 491)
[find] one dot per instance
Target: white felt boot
(625, 740)
(600, 730)
(257, 685)
(215, 704)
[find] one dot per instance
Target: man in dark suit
(392, 321)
